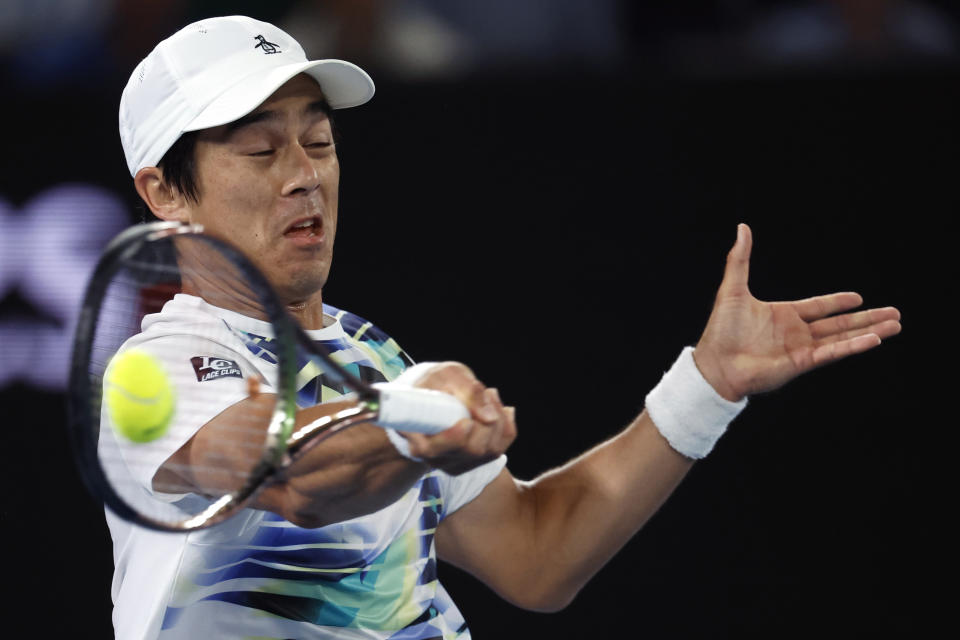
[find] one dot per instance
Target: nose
(301, 171)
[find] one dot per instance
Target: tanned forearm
(562, 527)
(619, 485)
(551, 535)
(352, 474)
(356, 472)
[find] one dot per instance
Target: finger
(853, 322)
(418, 443)
(431, 446)
(882, 331)
(466, 389)
(737, 271)
(447, 376)
(484, 436)
(482, 439)
(479, 441)
(509, 432)
(503, 433)
(837, 350)
(489, 407)
(823, 306)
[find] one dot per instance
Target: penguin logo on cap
(268, 47)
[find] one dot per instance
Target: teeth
(304, 224)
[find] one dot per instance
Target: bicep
(489, 536)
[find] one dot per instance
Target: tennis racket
(228, 336)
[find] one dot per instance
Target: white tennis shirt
(258, 575)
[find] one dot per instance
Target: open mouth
(306, 228)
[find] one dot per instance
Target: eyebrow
(320, 106)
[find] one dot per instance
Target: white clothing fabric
(257, 575)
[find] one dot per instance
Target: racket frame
(283, 443)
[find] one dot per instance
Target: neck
(308, 313)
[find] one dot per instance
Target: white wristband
(689, 412)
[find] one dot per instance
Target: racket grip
(413, 409)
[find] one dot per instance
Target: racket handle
(422, 410)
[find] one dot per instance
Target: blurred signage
(48, 248)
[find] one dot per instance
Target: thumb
(737, 272)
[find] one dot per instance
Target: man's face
(268, 184)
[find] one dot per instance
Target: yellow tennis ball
(138, 396)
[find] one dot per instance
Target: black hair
(179, 166)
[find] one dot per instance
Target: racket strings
(152, 477)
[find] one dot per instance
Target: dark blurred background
(528, 173)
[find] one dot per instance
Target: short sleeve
(462, 489)
(207, 378)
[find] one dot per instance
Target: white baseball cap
(213, 72)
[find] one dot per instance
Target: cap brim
(343, 85)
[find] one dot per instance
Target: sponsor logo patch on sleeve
(213, 368)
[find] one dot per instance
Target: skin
(556, 531)
(255, 181)
(259, 179)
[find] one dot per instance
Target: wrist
(709, 367)
(401, 444)
(688, 411)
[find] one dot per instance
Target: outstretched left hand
(750, 346)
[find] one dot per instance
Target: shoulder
(197, 345)
(355, 326)
(370, 337)
(462, 489)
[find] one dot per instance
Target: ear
(164, 200)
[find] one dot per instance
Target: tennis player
(226, 123)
